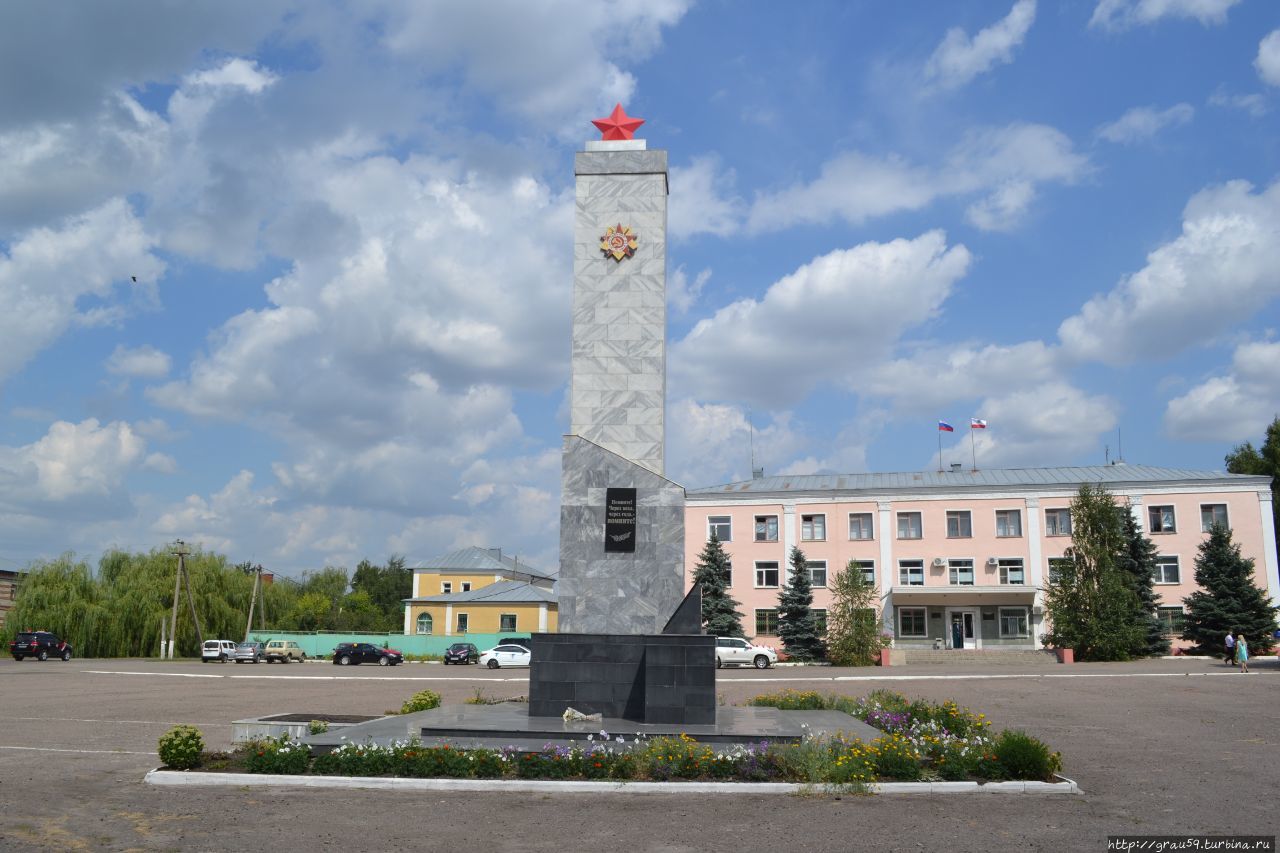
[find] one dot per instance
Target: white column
(406, 620)
(542, 618)
(1035, 555)
(788, 536)
(1269, 547)
(888, 571)
(448, 620)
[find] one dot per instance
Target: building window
(911, 572)
(868, 568)
(909, 525)
(466, 586)
(766, 528)
(721, 527)
(766, 574)
(766, 623)
(1161, 519)
(462, 623)
(424, 623)
(860, 526)
(1211, 514)
(1008, 523)
(446, 588)
(1011, 573)
(507, 623)
(728, 574)
(817, 572)
(1167, 570)
(912, 623)
(813, 528)
(961, 572)
(1013, 622)
(1172, 620)
(1057, 522)
(819, 620)
(959, 524)
(1058, 565)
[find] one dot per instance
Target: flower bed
(922, 741)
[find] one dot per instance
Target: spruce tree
(1138, 562)
(1228, 599)
(853, 625)
(797, 627)
(720, 614)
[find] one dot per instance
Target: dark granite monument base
(648, 678)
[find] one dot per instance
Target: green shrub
(317, 727)
(791, 700)
(1022, 756)
(277, 755)
(423, 700)
(676, 758)
(895, 758)
(180, 747)
(956, 761)
(851, 762)
(487, 763)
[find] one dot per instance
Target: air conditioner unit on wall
(992, 561)
(939, 562)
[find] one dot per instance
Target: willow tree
(61, 596)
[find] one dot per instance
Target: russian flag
(945, 427)
(977, 423)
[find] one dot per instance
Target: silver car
(251, 653)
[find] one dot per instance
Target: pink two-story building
(960, 558)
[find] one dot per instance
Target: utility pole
(177, 589)
(191, 602)
(253, 600)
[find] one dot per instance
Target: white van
(219, 650)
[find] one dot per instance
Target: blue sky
(350, 232)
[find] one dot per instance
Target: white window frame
(869, 527)
(466, 586)
(1021, 614)
(1056, 528)
(430, 622)
(868, 568)
(1016, 515)
(809, 524)
(905, 569)
(1158, 521)
(765, 519)
(1163, 561)
(816, 565)
(715, 522)
(515, 620)
(954, 568)
(1006, 565)
(446, 587)
(919, 527)
(1226, 516)
(924, 619)
(764, 566)
(958, 516)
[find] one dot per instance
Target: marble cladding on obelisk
(619, 376)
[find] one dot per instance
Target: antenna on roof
(751, 442)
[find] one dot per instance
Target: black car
(355, 653)
(40, 645)
(463, 653)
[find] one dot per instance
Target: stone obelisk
(621, 520)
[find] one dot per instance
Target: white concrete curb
(258, 780)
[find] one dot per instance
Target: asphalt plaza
(1159, 747)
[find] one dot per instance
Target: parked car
(40, 645)
(735, 651)
(284, 651)
(251, 652)
(219, 650)
(463, 653)
(347, 654)
(506, 655)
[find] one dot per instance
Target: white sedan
(736, 651)
(508, 655)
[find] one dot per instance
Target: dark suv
(355, 653)
(463, 653)
(40, 645)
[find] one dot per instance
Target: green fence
(320, 644)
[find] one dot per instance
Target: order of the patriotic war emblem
(618, 242)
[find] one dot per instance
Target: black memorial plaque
(620, 521)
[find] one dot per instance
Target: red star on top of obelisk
(618, 125)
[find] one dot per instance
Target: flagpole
(939, 451)
(973, 447)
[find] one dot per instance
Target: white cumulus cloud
(1268, 60)
(145, 361)
(1123, 14)
(1234, 406)
(75, 468)
(960, 58)
(1141, 124)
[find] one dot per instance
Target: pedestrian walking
(1242, 653)
(1231, 647)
